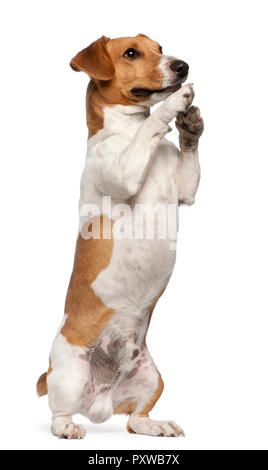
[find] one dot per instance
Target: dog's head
(131, 70)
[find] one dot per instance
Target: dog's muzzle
(180, 68)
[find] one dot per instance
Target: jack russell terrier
(99, 362)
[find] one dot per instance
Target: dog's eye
(130, 53)
(160, 50)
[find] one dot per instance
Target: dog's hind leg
(137, 395)
(66, 382)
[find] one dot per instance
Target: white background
(209, 331)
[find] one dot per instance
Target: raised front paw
(186, 98)
(176, 103)
(182, 99)
(190, 126)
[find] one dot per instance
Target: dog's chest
(161, 185)
(143, 257)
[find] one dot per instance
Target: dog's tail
(41, 385)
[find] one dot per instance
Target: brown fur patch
(113, 75)
(95, 60)
(49, 368)
(94, 108)
(130, 430)
(127, 407)
(154, 398)
(41, 386)
(87, 315)
(141, 72)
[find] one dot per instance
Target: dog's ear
(142, 36)
(95, 61)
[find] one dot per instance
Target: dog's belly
(138, 272)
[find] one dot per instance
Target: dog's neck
(102, 112)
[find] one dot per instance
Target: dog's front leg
(122, 174)
(190, 126)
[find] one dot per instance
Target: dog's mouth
(145, 92)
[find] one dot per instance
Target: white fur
(164, 66)
(68, 377)
(154, 428)
(131, 160)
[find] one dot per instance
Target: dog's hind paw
(150, 427)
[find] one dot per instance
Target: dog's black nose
(180, 68)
